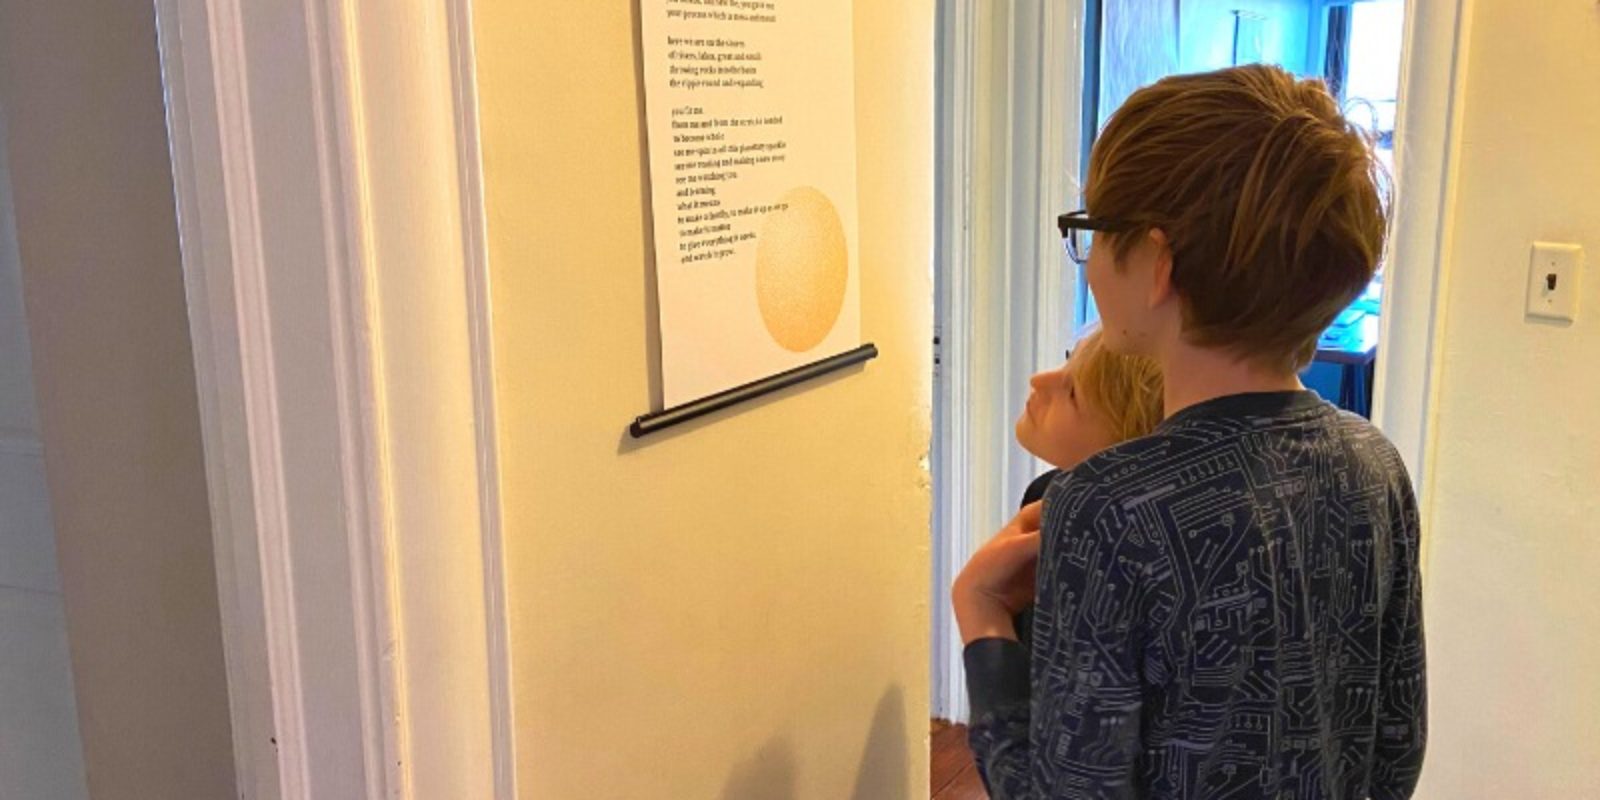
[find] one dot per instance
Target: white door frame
(1009, 144)
(1427, 154)
(1008, 132)
(329, 192)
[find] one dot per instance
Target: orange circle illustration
(802, 269)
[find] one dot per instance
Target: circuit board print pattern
(1229, 608)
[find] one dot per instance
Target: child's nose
(1040, 379)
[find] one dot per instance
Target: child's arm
(1072, 729)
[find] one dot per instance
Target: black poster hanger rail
(694, 409)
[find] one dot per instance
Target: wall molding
(1060, 100)
(464, 86)
(358, 354)
(202, 67)
(365, 644)
(1427, 151)
(1007, 160)
(955, 251)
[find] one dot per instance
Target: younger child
(1093, 401)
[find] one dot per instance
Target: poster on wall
(750, 113)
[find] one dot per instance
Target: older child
(1229, 607)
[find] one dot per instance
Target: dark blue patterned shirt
(1228, 608)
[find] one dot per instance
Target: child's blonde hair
(1127, 389)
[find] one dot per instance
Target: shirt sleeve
(1075, 732)
(1402, 684)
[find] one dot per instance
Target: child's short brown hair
(1126, 389)
(1273, 204)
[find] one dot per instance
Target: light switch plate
(1553, 278)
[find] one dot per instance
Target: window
(1354, 45)
(1369, 85)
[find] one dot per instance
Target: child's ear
(1161, 288)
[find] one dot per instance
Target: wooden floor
(953, 775)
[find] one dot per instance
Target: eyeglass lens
(1078, 244)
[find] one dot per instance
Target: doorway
(1063, 68)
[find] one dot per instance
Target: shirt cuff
(997, 674)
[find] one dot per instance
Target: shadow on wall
(770, 773)
(885, 761)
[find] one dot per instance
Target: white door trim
(1008, 159)
(356, 525)
(475, 237)
(953, 445)
(1427, 151)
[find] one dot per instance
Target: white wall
(1513, 570)
(40, 754)
(101, 276)
(737, 608)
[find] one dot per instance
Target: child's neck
(1192, 375)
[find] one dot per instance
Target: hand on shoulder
(998, 581)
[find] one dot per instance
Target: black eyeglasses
(1078, 229)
